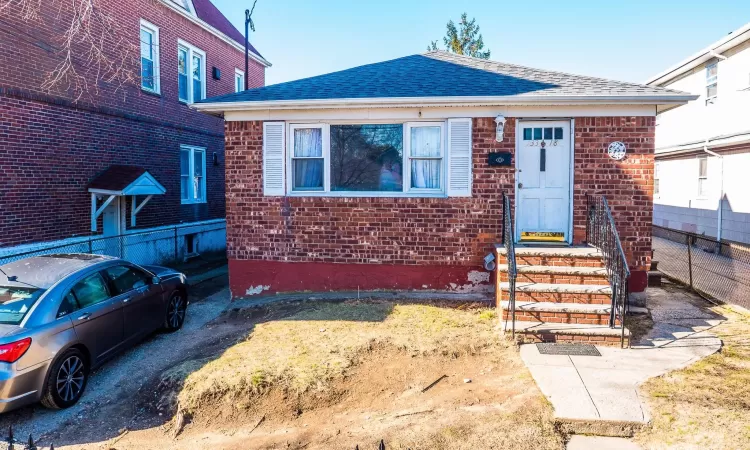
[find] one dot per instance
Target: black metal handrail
(510, 255)
(602, 234)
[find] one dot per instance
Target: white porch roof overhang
(109, 189)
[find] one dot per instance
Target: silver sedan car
(63, 315)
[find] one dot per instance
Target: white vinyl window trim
(239, 80)
(326, 191)
(702, 177)
(191, 52)
(153, 31)
(191, 195)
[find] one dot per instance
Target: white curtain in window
(425, 143)
(308, 143)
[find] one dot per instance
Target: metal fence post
(91, 247)
(690, 259)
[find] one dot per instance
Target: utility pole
(249, 25)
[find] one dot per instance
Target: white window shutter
(274, 134)
(459, 158)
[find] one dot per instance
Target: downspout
(721, 191)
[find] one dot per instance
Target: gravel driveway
(110, 401)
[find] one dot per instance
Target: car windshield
(15, 302)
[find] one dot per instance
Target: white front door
(111, 218)
(543, 189)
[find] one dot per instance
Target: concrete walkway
(604, 388)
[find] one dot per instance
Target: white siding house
(702, 179)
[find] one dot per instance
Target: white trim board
(215, 32)
(441, 113)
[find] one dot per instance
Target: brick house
(74, 164)
(391, 175)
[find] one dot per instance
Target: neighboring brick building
(378, 177)
(54, 142)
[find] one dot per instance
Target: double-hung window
(376, 159)
(712, 82)
(239, 80)
(149, 57)
(192, 174)
(191, 62)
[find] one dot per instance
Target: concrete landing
(600, 443)
(605, 388)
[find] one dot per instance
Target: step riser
(558, 317)
(610, 341)
(554, 261)
(556, 278)
(557, 297)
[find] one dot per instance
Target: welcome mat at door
(551, 348)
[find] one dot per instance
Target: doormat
(550, 348)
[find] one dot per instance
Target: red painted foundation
(250, 277)
(638, 281)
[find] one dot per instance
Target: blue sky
(626, 40)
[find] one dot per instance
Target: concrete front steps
(562, 295)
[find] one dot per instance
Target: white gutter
(714, 142)
(417, 102)
(714, 50)
(255, 57)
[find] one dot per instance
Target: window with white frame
(149, 57)
(377, 159)
(712, 82)
(191, 69)
(239, 80)
(702, 176)
(192, 174)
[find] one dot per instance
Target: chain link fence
(165, 245)
(720, 270)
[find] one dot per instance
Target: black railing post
(175, 243)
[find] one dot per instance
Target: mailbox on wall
(500, 159)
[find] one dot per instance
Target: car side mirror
(155, 280)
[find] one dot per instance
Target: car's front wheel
(176, 310)
(66, 380)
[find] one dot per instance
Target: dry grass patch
(706, 405)
(305, 349)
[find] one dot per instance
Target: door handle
(127, 299)
(520, 185)
(85, 316)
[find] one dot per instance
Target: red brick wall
(449, 234)
(51, 146)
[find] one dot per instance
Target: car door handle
(127, 299)
(85, 316)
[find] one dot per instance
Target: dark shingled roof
(116, 178)
(442, 74)
(207, 12)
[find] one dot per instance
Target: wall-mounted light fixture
(500, 128)
(216, 159)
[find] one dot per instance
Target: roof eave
(415, 102)
(734, 39)
(239, 46)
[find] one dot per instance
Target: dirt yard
(338, 375)
(706, 405)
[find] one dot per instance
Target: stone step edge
(526, 327)
(565, 252)
(573, 308)
(557, 270)
(522, 286)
